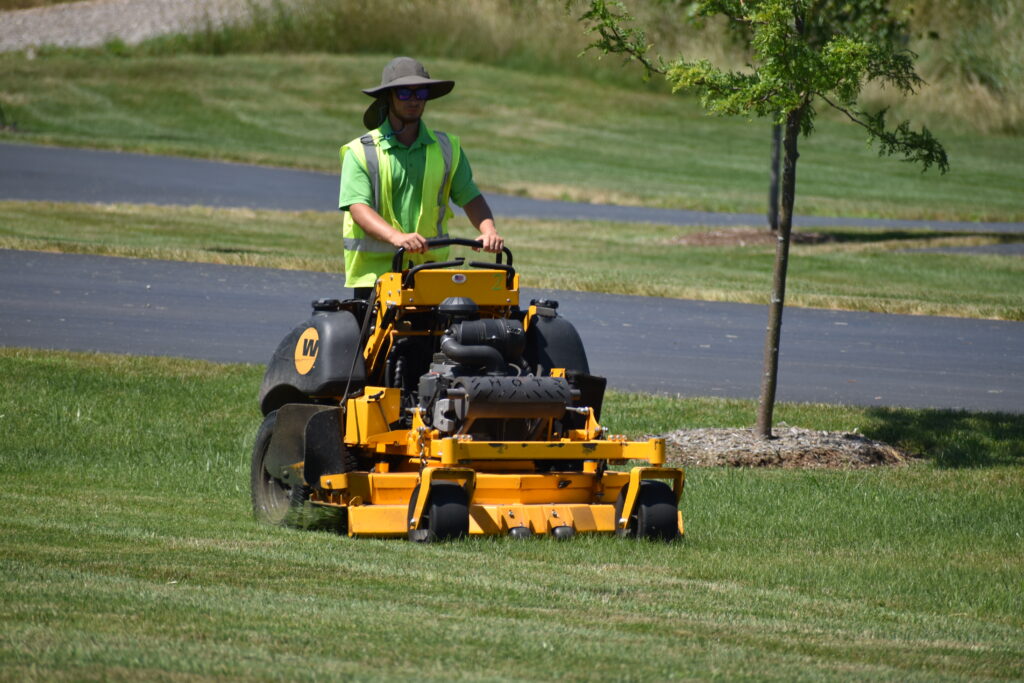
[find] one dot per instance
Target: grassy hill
(282, 88)
(968, 52)
(548, 136)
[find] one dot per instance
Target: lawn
(866, 270)
(541, 135)
(129, 552)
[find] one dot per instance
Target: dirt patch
(746, 237)
(793, 448)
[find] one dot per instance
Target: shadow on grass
(831, 236)
(952, 438)
(762, 237)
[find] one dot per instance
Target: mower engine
(478, 384)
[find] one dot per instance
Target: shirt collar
(387, 140)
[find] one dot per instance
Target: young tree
(804, 52)
(855, 19)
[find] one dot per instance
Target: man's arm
(479, 214)
(374, 225)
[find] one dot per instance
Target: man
(396, 181)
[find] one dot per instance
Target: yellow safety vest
(366, 257)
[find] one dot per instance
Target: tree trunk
(769, 380)
(773, 187)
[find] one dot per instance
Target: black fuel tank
(553, 342)
(314, 361)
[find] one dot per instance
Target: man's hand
(412, 242)
(491, 241)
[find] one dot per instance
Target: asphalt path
(690, 348)
(34, 172)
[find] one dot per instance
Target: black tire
(656, 514)
(446, 516)
(273, 501)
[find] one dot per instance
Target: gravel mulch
(93, 23)
(746, 237)
(792, 448)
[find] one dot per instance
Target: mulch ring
(792, 448)
(746, 237)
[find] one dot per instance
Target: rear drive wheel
(446, 516)
(272, 498)
(655, 515)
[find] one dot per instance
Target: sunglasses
(408, 93)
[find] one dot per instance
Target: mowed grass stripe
(640, 607)
(697, 613)
(129, 550)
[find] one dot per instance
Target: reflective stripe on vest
(442, 204)
(370, 244)
(372, 168)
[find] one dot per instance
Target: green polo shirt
(407, 167)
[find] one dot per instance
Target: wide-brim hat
(401, 72)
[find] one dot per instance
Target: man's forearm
(371, 222)
(479, 214)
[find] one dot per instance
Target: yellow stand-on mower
(440, 408)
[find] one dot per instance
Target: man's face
(408, 110)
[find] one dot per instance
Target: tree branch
(618, 38)
(918, 147)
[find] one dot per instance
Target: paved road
(234, 314)
(74, 175)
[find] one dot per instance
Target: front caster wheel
(655, 515)
(446, 515)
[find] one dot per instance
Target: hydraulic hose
(475, 355)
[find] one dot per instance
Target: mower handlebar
(396, 262)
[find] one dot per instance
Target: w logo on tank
(306, 350)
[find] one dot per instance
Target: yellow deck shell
(378, 503)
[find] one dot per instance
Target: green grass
(129, 552)
(546, 136)
(272, 239)
(950, 439)
(860, 270)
